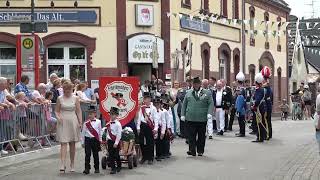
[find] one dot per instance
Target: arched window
(252, 16)
(224, 8)
(279, 29)
(279, 83)
(206, 6)
(236, 9)
(8, 61)
(266, 20)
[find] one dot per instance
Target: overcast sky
(301, 8)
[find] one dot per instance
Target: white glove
(183, 118)
(209, 116)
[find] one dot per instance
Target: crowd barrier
(32, 123)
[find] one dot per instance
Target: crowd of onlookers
(26, 103)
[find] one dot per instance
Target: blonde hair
(20, 95)
(56, 82)
(80, 86)
(67, 85)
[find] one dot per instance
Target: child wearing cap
(113, 132)
(91, 138)
(241, 112)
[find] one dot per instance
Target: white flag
(255, 23)
(224, 20)
(201, 18)
(168, 14)
(213, 19)
(180, 16)
(234, 22)
(245, 22)
(191, 17)
(307, 25)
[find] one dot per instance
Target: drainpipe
(243, 38)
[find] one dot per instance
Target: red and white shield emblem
(145, 15)
(119, 92)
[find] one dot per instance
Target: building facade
(214, 38)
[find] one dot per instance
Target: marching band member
(169, 128)
(259, 108)
(240, 104)
(266, 72)
(147, 127)
(91, 138)
(160, 116)
(113, 131)
(228, 102)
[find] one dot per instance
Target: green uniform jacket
(195, 108)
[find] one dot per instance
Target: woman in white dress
(68, 113)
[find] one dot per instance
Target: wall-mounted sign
(194, 24)
(144, 15)
(140, 48)
(56, 16)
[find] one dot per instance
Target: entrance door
(143, 71)
(68, 61)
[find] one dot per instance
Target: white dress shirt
(219, 97)
(116, 130)
(161, 119)
(169, 119)
(86, 133)
(151, 112)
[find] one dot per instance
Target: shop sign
(144, 15)
(140, 49)
(194, 24)
(84, 16)
(120, 92)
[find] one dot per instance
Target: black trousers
(226, 121)
(146, 141)
(196, 129)
(214, 124)
(261, 127)
(160, 146)
(182, 129)
(92, 145)
(242, 124)
(269, 124)
(232, 116)
(166, 141)
(254, 123)
(113, 155)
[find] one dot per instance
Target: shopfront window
(8, 61)
(222, 69)
(68, 61)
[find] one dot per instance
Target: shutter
(188, 2)
(236, 9)
(206, 5)
(225, 8)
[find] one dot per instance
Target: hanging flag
(245, 22)
(274, 33)
(175, 14)
(255, 23)
(287, 23)
(307, 24)
(191, 17)
(312, 51)
(224, 20)
(272, 24)
(262, 22)
(234, 22)
(201, 18)
(168, 14)
(261, 32)
(180, 15)
(213, 19)
(279, 23)
(268, 22)
(315, 25)
(251, 32)
(255, 32)
(278, 34)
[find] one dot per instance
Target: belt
(317, 129)
(218, 106)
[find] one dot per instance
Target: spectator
(55, 91)
(205, 84)
(212, 83)
(22, 87)
(52, 77)
(4, 103)
(80, 93)
(63, 80)
(317, 119)
(76, 83)
(146, 87)
(96, 94)
(9, 93)
(52, 121)
(88, 91)
(22, 115)
(39, 94)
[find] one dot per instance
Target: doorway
(142, 71)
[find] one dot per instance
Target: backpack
(307, 96)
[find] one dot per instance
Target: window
(279, 29)
(186, 4)
(299, 55)
(8, 61)
(68, 60)
(279, 83)
(252, 72)
(206, 5)
(236, 9)
(294, 86)
(266, 21)
(252, 16)
(224, 8)
(222, 69)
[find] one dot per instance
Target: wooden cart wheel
(135, 161)
(104, 162)
(130, 162)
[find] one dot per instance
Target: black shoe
(258, 141)
(187, 142)
(97, 171)
(240, 135)
(210, 137)
(191, 154)
(142, 161)
(118, 169)
(113, 171)
(86, 171)
(158, 158)
(267, 139)
(200, 154)
(253, 133)
(150, 162)
(220, 133)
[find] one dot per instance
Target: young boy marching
(113, 132)
(169, 128)
(160, 116)
(91, 138)
(147, 127)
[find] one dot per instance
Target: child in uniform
(113, 132)
(169, 128)
(160, 116)
(91, 138)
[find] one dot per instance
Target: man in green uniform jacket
(196, 110)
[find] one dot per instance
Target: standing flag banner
(120, 92)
